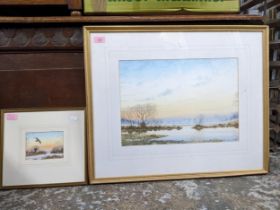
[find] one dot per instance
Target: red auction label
(99, 39)
(11, 116)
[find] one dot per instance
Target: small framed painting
(176, 102)
(42, 147)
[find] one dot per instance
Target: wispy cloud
(166, 93)
(201, 80)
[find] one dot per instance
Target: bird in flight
(38, 140)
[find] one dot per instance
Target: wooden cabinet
(42, 60)
(75, 6)
(41, 67)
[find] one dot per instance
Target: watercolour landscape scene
(179, 101)
(44, 145)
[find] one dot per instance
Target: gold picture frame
(16, 112)
(96, 36)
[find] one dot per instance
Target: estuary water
(188, 134)
(45, 156)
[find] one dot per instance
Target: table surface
(246, 192)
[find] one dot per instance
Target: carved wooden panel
(41, 38)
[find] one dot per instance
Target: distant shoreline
(149, 128)
(234, 124)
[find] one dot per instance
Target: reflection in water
(188, 134)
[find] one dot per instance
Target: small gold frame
(3, 111)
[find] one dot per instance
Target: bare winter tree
(200, 119)
(128, 115)
(142, 114)
(35, 149)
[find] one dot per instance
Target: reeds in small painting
(179, 101)
(44, 145)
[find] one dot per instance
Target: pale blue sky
(181, 88)
(44, 136)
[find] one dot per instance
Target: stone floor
(242, 193)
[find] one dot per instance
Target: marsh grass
(145, 139)
(33, 153)
(52, 157)
(137, 135)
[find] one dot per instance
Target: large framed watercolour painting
(174, 102)
(42, 147)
